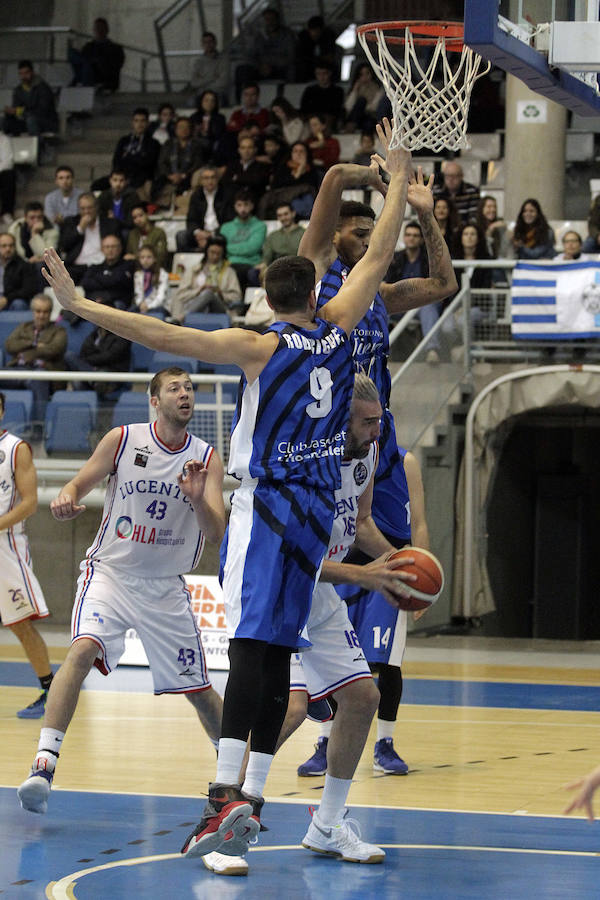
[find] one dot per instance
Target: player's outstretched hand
(583, 800)
(58, 278)
(397, 160)
(192, 480)
(63, 508)
(420, 194)
(383, 576)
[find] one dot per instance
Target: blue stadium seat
(141, 358)
(70, 419)
(17, 411)
(131, 407)
(207, 321)
(162, 360)
(9, 321)
(76, 334)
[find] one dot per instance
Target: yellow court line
(64, 889)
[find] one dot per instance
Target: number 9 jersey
(149, 527)
(290, 422)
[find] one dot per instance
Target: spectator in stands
(447, 218)
(288, 120)
(211, 70)
(136, 154)
(212, 286)
(274, 150)
(465, 196)
(245, 236)
(316, 43)
(81, 237)
(111, 281)
(532, 237)
(271, 54)
(412, 262)
(101, 351)
(325, 150)
(296, 181)
(250, 110)
(210, 206)
(592, 241)
(494, 228)
(145, 233)
(150, 282)
(365, 150)
(285, 240)
(33, 108)
(8, 180)
(17, 277)
(38, 344)
(247, 172)
(572, 245)
(117, 201)
(61, 203)
(362, 100)
(164, 128)
(471, 245)
(323, 97)
(208, 125)
(99, 62)
(33, 233)
(178, 160)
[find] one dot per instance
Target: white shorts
(335, 658)
(109, 601)
(21, 596)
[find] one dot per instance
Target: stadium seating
(207, 321)
(9, 320)
(18, 409)
(70, 421)
(132, 406)
(161, 360)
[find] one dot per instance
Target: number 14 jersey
(149, 527)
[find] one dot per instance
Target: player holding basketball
(336, 239)
(164, 498)
(286, 448)
(21, 597)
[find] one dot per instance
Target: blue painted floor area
(420, 691)
(431, 855)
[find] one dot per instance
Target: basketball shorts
(334, 658)
(21, 596)
(381, 629)
(109, 601)
(271, 558)
(389, 485)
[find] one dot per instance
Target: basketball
(430, 578)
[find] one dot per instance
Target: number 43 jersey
(149, 527)
(290, 422)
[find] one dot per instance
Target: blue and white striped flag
(556, 300)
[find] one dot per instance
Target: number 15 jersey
(290, 422)
(149, 527)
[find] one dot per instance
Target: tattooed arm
(441, 283)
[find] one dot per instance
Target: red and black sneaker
(244, 833)
(227, 809)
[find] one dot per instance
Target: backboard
(540, 42)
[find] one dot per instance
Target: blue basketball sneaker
(317, 764)
(385, 758)
(36, 709)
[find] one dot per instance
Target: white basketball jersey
(9, 495)
(148, 525)
(356, 474)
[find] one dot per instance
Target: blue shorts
(380, 629)
(271, 558)
(390, 484)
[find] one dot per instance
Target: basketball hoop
(429, 106)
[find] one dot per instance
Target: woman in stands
(208, 125)
(592, 241)
(489, 222)
(295, 182)
(212, 286)
(445, 214)
(150, 282)
(325, 149)
(288, 120)
(532, 238)
(362, 100)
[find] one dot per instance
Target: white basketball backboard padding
(575, 46)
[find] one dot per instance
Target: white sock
(326, 729)
(334, 798)
(256, 773)
(214, 742)
(385, 729)
(48, 749)
(229, 760)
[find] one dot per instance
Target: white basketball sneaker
(225, 865)
(342, 839)
(34, 792)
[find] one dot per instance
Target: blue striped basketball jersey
(148, 526)
(391, 502)
(370, 339)
(290, 422)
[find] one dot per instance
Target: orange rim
(424, 33)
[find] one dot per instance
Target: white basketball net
(429, 106)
